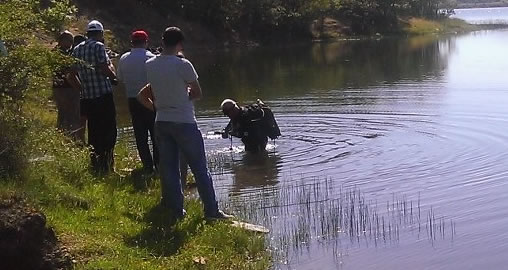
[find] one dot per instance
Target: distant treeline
(263, 18)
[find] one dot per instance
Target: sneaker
(220, 215)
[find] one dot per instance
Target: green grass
(420, 26)
(115, 222)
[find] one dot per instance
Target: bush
(27, 69)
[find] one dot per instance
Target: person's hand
(114, 82)
(225, 135)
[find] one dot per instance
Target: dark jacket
(254, 125)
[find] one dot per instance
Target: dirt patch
(329, 28)
(25, 242)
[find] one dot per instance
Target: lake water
(483, 15)
(394, 152)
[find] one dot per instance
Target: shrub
(27, 69)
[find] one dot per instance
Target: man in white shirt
(132, 72)
(173, 86)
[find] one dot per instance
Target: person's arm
(73, 79)
(107, 70)
(190, 77)
(225, 133)
(195, 90)
(145, 97)
(119, 73)
(104, 64)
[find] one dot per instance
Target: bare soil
(26, 242)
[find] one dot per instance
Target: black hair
(172, 36)
(65, 34)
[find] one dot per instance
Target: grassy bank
(419, 26)
(333, 29)
(109, 222)
(115, 222)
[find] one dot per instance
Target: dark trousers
(255, 144)
(67, 103)
(101, 115)
(142, 122)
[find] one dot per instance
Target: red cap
(139, 35)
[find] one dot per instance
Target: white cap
(95, 26)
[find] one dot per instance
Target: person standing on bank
(173, 83)
(65, 97)
(95, 74)
(132, 72)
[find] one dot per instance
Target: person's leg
(172, 195)
(150, 120)
(140, 133)
(183, 170)
(155, 148)
(111, 132)
(80, 132)
(88, 110)
(58, 98)
(262, 146)
(102, 131)
(74, 115)
(190, 142)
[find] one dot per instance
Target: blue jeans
(171, 138)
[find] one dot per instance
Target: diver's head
(230, 108)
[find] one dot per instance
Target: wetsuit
(249, 127)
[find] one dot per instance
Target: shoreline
(421, 27)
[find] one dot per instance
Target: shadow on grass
(165, 235)
(140, 180)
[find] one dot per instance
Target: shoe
(220, 215)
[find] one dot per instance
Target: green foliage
(57, 15)
(27, 69)
(116, 222)
(263, 18)
(12, 157)
(17, 18)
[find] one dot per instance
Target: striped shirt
(94, 83)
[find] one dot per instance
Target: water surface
(410, 126)
(483, 15)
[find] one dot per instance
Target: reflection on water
(309, 72)
(255, 170)
(403, 120)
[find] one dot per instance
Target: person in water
(253, 124)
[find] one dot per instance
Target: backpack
(269, 124)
